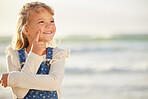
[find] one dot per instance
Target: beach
(100, 68)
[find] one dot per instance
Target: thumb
(37, 36)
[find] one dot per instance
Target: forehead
(39, 13)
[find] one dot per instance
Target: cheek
(40, 27)
(54, 27)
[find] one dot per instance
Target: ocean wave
(96, 50)
(111, 49)
(94, 71)
(84, 38)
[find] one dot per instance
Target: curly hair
(19, 40)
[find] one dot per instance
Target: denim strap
(22, 57)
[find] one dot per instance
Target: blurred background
(108, 40)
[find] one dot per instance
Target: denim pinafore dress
(43, 69)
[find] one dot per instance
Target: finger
(42, 46)
(5, 85)
(37, 36)
(42, 43)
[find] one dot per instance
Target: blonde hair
(19, 40)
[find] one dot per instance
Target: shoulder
(60, 53)
(12, 56)
(10, 51)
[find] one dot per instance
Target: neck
(29, 48)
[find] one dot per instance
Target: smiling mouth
(48, 32)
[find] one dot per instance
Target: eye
(52, 21)
(41, 22)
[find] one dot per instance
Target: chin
(48, 40)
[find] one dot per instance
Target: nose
(48, 25)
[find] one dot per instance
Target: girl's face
(41, 21)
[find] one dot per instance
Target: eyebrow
(42, 19)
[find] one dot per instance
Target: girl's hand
(3, 80)
(38, 47)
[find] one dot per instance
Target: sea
(114, 67)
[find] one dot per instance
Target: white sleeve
(12, 61)
(50, 82)
(32, 63)
(13, 64)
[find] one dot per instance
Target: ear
(24, 30)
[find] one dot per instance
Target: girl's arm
(41, 82)
(31, 65)
(14, 65)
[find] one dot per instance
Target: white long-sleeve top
(21, 80)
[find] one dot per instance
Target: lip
(48, 32)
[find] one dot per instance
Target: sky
(84, 17)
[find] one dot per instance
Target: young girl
(35, 65)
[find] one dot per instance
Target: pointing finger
(37, 36)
